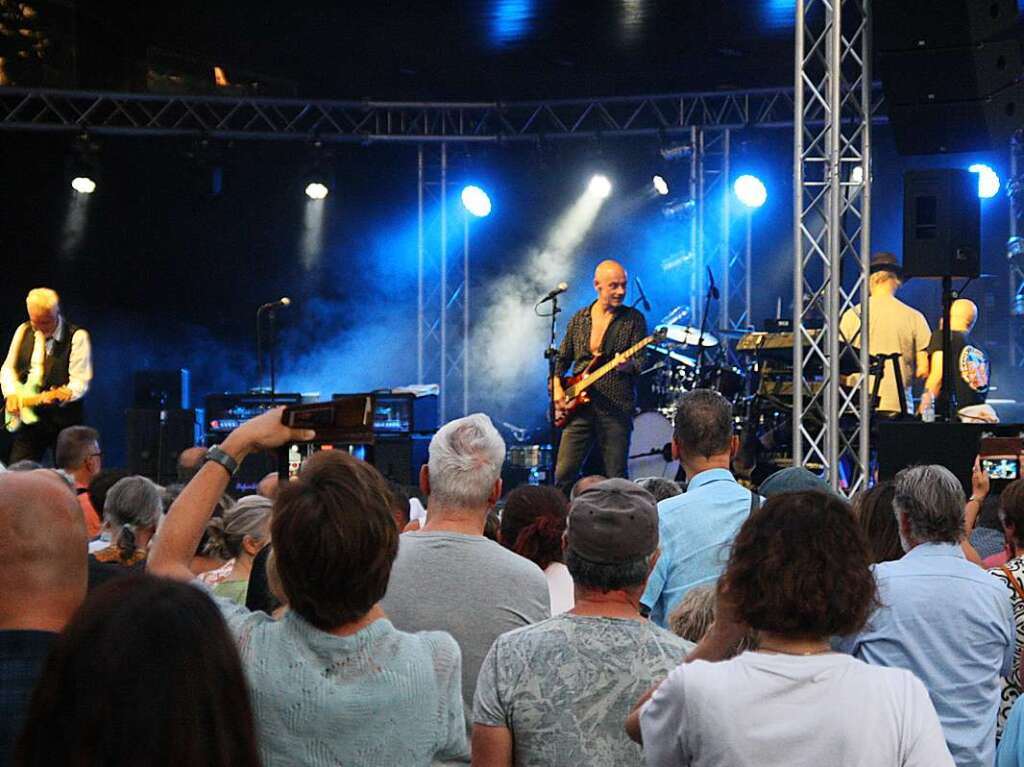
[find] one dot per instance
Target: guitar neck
(596, 375)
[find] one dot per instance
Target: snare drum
(652, 431)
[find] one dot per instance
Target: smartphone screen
(1001, 467)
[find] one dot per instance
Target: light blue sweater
(378, 697)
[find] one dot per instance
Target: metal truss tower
(832, 235)
(442, 336)
(1015, 251)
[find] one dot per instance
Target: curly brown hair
(799, 567)
(1011, 508)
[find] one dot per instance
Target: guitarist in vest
(45, 376)
(601, 330)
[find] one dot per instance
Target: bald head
(43, 551)
(963, 315)
(610, 281)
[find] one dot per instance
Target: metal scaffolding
(832, 216)
(40, 109)
(1015, 253)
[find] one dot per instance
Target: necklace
(792, 652)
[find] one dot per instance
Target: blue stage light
(988, 181)
(750, 191)
(476, 201)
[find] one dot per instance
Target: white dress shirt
(79, 368)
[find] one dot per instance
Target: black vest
(56, 372)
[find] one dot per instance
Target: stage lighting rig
(679, 209)
(660, 185)
(676, 152)
(600, 186)
(476, 201)
(318, 180)
(988, 180)
(750, 191)
(83, 165)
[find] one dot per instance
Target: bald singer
(604, 328)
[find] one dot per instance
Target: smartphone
(1001, 467)
(344, 423)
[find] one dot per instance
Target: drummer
(604, 328)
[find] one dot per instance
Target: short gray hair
(932, 499)
(134, 501)
(660, 487)
(703, 423)
(465, 461)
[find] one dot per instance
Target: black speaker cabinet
(400, 458)
(953, 445)
(924, 24)
(941, 223)
(155, 438)
(162, 389)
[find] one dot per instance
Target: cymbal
(687, 335)
(682, 359)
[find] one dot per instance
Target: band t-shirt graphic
(972, 371)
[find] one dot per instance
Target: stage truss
(1015, 260)
(832, 232)
(817, 109)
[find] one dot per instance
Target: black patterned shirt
(616, 392)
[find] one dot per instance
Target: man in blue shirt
(697, 528)
(941, 617)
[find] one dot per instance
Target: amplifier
(225, 412)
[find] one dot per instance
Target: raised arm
(182, 530)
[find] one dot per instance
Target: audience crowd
(704, 622)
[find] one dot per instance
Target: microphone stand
(699, 370)
(259, 350)
(272, 347)
(551, 355)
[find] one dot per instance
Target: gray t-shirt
(565, 686)
(895, 327)
(468, 586)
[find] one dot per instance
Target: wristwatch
(217, 455)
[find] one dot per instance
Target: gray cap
(793, 479)
(612, 522)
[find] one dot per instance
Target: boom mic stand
(712, 293)
(551, 355)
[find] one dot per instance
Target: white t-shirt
(760, 710)
(560, 588)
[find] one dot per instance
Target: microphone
(283, 301)
(711, 284)
(643, 296)
(562, 287)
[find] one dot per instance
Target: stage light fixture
(476, 201)
(600, 186)
(83, 185)
(988, 180)
(675, 152)
(750, 191)
(316, 190)
(660, 185)
(679, 209)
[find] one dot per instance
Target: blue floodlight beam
(750, 191)
(476, 201)
(988, 180)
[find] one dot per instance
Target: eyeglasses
(95, 455)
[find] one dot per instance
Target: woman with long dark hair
(144, 674)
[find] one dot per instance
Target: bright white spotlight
(660, 185)
(316, 191)
(988, 181)
(600, 186)
(83, 185)
(476, 201)
(750, 191)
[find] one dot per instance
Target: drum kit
(687, 359)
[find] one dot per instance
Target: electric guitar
(575, 387)
(28, 398)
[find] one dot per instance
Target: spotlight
(660, 185)
(600, 186)
(316, 190)
(750, 191)
(476, 201)
(83, 185)
(675, 152)
(988, 181)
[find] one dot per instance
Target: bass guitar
(29, 397)
(575, 387)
